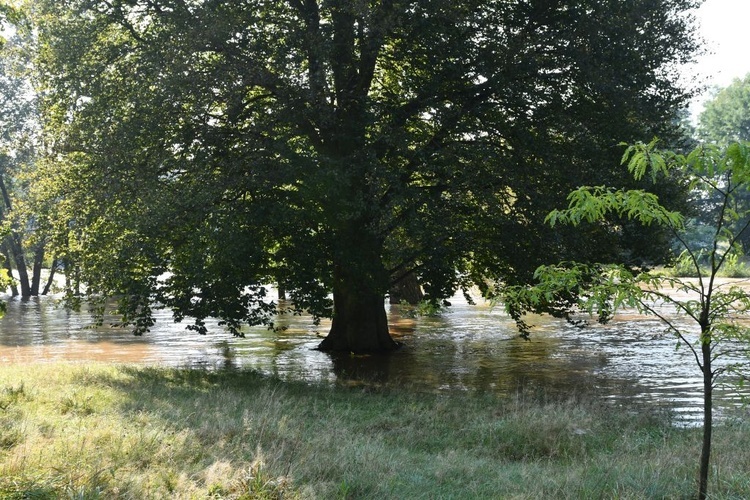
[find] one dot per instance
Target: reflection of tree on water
(31, 321)
(365, 369)
(543, 368)
(378, 369)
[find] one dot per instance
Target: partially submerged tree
(335, 147)
(718, 310)
(23, 245)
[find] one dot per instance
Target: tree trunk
(359, 323)
(407, 289)
(72, 275)
(9, 267)
(14, 244)
(23, 275)
(72, 278)
(51, 279)
(360, 281)
(36, 276)
(707, 419)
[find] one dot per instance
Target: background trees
(23, 245)
(726, 117)
(338, 146)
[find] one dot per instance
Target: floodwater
(628, 362)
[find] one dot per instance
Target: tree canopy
(23, 220)
(726, 117)
(208, 148)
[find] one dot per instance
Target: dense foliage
(726, 117)
(208, 148)
(22, 221)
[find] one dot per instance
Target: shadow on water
(628, 362)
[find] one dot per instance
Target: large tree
(210, 147)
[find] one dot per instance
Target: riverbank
(102, 431)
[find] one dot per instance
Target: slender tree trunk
(707, 419)
(68, 283)
(36, 276)
(77, 280)
(72, 281)
(9, 267)
(360, 281)
(23, 274)
(51, 279)
(15, 245)
(72, 277)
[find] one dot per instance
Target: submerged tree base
(362, 331)
(360, 324)
(358, 341)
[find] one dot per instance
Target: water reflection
(469, 348)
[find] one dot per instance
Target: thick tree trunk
(707, 420)
(359, 323)
(407, 289)
(360, 281)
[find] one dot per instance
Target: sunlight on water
(628, 362)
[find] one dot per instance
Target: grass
(99, 431)
(733, 267)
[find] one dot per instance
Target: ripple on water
(470, 348)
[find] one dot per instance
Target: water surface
(628, 362)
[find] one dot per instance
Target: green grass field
(98, 431)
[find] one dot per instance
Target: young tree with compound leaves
(726, 118)
(336, 147)
(717, 310)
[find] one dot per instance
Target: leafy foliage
(717, 310)
(339, 146)
(726, 117)
(24, 221)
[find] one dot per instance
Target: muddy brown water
(629, 362)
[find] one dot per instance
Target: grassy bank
(94, 431)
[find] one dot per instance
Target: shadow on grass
(163, 433)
